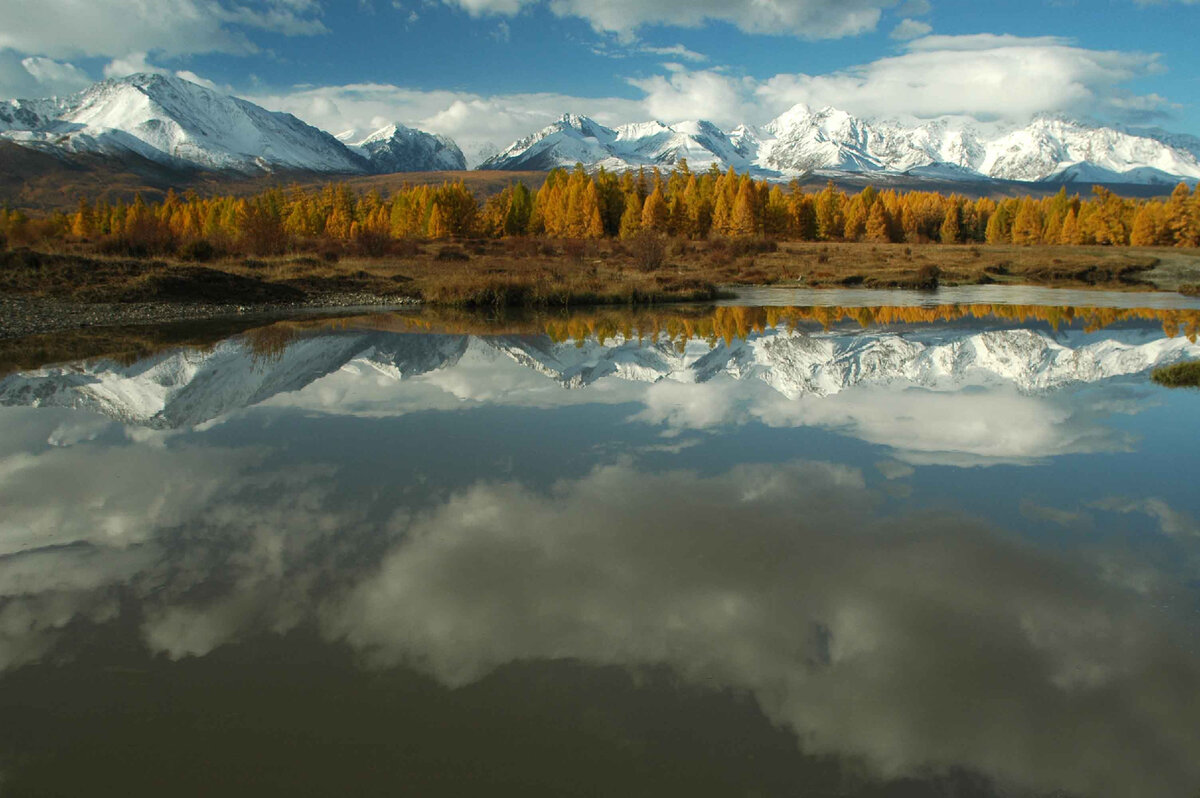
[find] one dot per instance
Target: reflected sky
(925, 559)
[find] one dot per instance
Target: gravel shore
(22, 316)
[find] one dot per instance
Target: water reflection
(476, 562)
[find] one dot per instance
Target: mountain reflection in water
(753, 555)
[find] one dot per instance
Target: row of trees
(582, 205)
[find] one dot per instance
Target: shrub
(521, 246)
(753, 246)
(649, 250)
(372, 243)
(927, 277)
(120, 245)
(201, 251)
(574, 249)
(451, 254)
(3, 242)
(1187, 289)
(406, 248)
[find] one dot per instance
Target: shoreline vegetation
(1180, 375)
(638, 238)
(675, 323)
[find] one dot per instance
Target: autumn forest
(582, 205)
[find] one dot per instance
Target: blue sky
(488, 71)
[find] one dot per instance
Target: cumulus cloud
(135, 63)
(36, 76)
(808, 19)
(707, 94)
(987, 77)
(476, 122)
(72, 28)
(981, 76)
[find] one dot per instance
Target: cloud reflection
(926, 641)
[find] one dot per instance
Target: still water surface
(733, 551)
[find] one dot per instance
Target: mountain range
(804, 140)
(187, 387)
(179, 124)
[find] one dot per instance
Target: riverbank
(43, 292)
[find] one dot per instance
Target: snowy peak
(572, 139)
(179, 123)
(803, 140)
(578, 139)
(174, 121)
(396, 148)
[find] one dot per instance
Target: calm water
(906, 550)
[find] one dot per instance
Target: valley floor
(41, 292)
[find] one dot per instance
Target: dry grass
(907, 266)
(526, 272)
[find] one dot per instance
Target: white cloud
(910, 29)
(675, 50)
(48, 72)
(37, 76)
(808, 19)
(131, 64)
(983, 76)
(989, 77)
(135, 63)
(72, 28)
(474, 121)
(701, 94)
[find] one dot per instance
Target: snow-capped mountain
(179, 123)
(187, 387)
(396, 148)
(170, 120)
(578, 139)
(803, 140)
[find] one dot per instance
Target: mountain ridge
(803, 141)
(181, 124)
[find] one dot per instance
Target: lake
(801, 543)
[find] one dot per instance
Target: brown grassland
(548, 273)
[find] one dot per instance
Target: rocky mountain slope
(396, 148)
